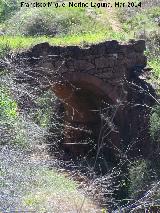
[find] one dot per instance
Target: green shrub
(4, 50)
(54, 21)
(12, 126)
(141, 23)
(42, 114)
(154, 63)
(153, 44)
(8, 107)
(155, 123)
(8, 8)
(140, 176)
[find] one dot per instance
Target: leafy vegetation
(58, 26)
(8, 8)
(139, 177)
(155, 123)
(43, 112)
(142, 22)
(12, 125)
(21, 42)
(8, 107)
(61, 21)
(49, 186)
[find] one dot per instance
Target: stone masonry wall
(110, 61)
(117, 66)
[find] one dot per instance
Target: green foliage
(52, 21)
(8, 8)
(153, 44)
(51, 189)
(12, 125)
(140, 178)
(4, 49)
(155, 124)
(8, 107)
(154, 63)
(43, 113)
(22, 42)
(142, 21)
(144, 24)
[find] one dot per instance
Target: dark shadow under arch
(82, 96)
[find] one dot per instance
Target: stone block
(70, 65)
(104, 62)
(112, 46)
(81, 65)
(54, 51)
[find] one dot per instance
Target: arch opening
(82, 97)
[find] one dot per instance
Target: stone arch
(82, 95)
(107, 70)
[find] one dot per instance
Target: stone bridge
(104, 99)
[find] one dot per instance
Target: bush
(153, 44)
(54, 21)
(12, 125)
(155, 124)
(43, 111)
(140, 176)
(8, 8)
(8, 107)
(142, 23)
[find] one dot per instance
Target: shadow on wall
(83, 98)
